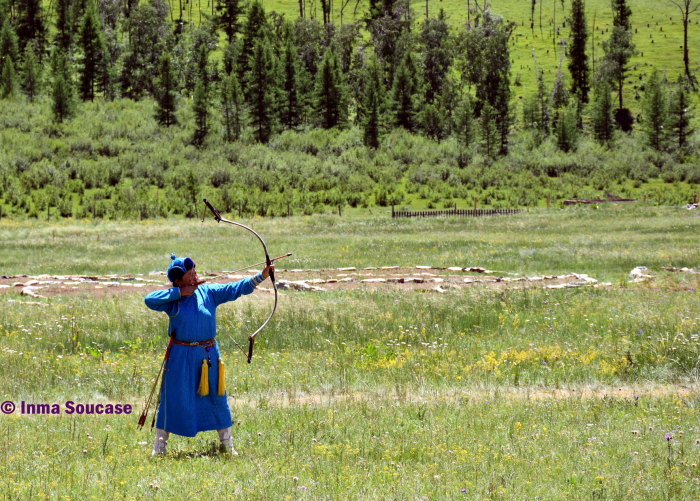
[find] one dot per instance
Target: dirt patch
(420, 278)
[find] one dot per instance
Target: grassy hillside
(657, 24)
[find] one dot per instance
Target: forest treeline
(243, 77)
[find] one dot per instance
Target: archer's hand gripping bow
(251, 338)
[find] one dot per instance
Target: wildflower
(668, 437)
(635, 432)
(464, 491)
(640, 331)
(303, 487)
(296, 479)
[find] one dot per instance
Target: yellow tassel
(222, 379)
(204, 383)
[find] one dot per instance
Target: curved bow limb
(268, 261)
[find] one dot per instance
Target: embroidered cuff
(256, 280)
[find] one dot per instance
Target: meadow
(512, 392)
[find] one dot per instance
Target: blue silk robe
(193, 318)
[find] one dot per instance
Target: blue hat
(178, 267)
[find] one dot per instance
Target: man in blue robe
(184, 408)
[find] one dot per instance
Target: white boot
(161, 442)
(227, 441)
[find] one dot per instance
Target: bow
(268, 261)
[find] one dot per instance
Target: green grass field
(477, 393)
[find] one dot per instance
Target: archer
(187, 405)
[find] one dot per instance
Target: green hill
(657, 26)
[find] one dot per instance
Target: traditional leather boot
(226, 441)
(161, 442)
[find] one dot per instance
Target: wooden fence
(453, 212)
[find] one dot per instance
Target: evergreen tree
(504, 114)
(166, 92)
(680, 112)
(618, 49)
(200, 106)
(229, 60)
(602, 113)
(8, 42)
(464, 121)
(566, 129)
(373, 101)
(654, 110)
(402, 98)
(31, 77)
(622, 13)
(576, 50)
(8, 85)
(253, 29)
(289, 109)
(227, 12)
(489, 132)
(437, 57)
(62, 99)
(64, 27)
(231, 106)
(432, 121)
(30, 23)
(331, 106)
(262, 90)
(107, 74)
(90, 43)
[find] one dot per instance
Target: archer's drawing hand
(188, 290)
(267, 270)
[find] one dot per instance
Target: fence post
(48, 211)
(239, 209)
(645, 197)
(548, 201)
(339, 214)
(393, 212)
(287, 209)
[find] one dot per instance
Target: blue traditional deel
(182, 409)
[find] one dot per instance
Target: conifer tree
(89, 42)
(330, 103)
(107, 74)
(432, 121)
(8, 42)
(229, 60)
(489, 132)
(254, 28)
(232, 106)
(200, 106)
(576, 50)
(227, 12)
(262, 89)
(30, 23)
(566, 129)
(289, 109)
(403, 94)
(31, 76)
(62, 102)
(62, 99)
(654, 110)
(464, 121)
(373, 101)
(602, 113)
(63, 23)
(680, 112)
(166, 92)
(8, 85)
